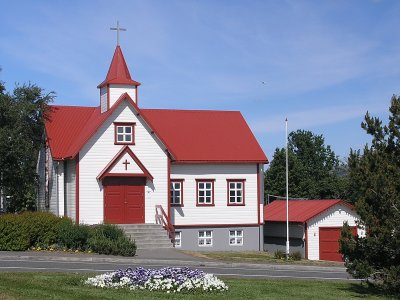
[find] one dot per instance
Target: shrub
(45, 230)
(71, 235)
(109, 239)
(40, 226)
(279, 254)
(295, 255)
(13, 237)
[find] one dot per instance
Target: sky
(324, 64)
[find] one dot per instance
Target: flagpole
(287, 193)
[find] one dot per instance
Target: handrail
(163, 220)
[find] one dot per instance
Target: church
(198, 174)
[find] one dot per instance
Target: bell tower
(118, 79)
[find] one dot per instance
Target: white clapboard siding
(132, 167)
(116, 90)
(70, 189)
(100, 150)
(103, 99)
(60, 179)
(333, 217)
(221, 213)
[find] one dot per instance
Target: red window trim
(212, 192)
(132, 124)
(172, 180)
(228, 194)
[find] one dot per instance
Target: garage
(314, 227)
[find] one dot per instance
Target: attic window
(124, 134)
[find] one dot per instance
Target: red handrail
(163, 219)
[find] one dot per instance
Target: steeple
(117, 82)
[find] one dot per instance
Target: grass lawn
(69, 286)
(258, 257)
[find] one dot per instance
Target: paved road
(60, 262)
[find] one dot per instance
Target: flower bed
(165, 279)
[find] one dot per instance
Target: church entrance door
(124, 200)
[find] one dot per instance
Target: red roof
(189, 135)
(118, 73)
(63, 125)
(299, 210)
(201, 135)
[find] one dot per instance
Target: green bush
(41, 228)
(109, 239)
(71, 235)
(279, 254)
(295, 255)
(45, 230)
(13, 237)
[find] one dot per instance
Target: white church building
(199, 173)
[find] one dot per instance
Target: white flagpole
(287, 193)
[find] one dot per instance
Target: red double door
(124, 200)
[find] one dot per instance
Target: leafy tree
(315, 171)
(375, 189)
(22, 115)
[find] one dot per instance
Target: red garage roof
(299, 210)
(190, 135)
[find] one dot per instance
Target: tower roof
(118, 73)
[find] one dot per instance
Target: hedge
(47, 231)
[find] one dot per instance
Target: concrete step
(147, 236)
(140, 226)
(151, 233)
(154, 246)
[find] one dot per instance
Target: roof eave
(183, 161)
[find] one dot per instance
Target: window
(176, 192)
(205, 238)
(178, 239)
(205, 192)
(235, 191)
(124, 133)
(236, 237)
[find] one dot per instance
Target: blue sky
(325, 63)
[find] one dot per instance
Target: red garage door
(329, 243)
(124, 200)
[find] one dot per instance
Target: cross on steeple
(126, 163)
(118, 29)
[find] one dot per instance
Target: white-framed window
(178, 239)
(124, 133)
(235, 192)
(236, 237)
(205, 192)
(205, 238)
(176, 192)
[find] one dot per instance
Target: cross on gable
(126, 163)
(118, 29)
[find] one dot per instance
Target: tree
(315, 171)
(22, 116)
(374, 187)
